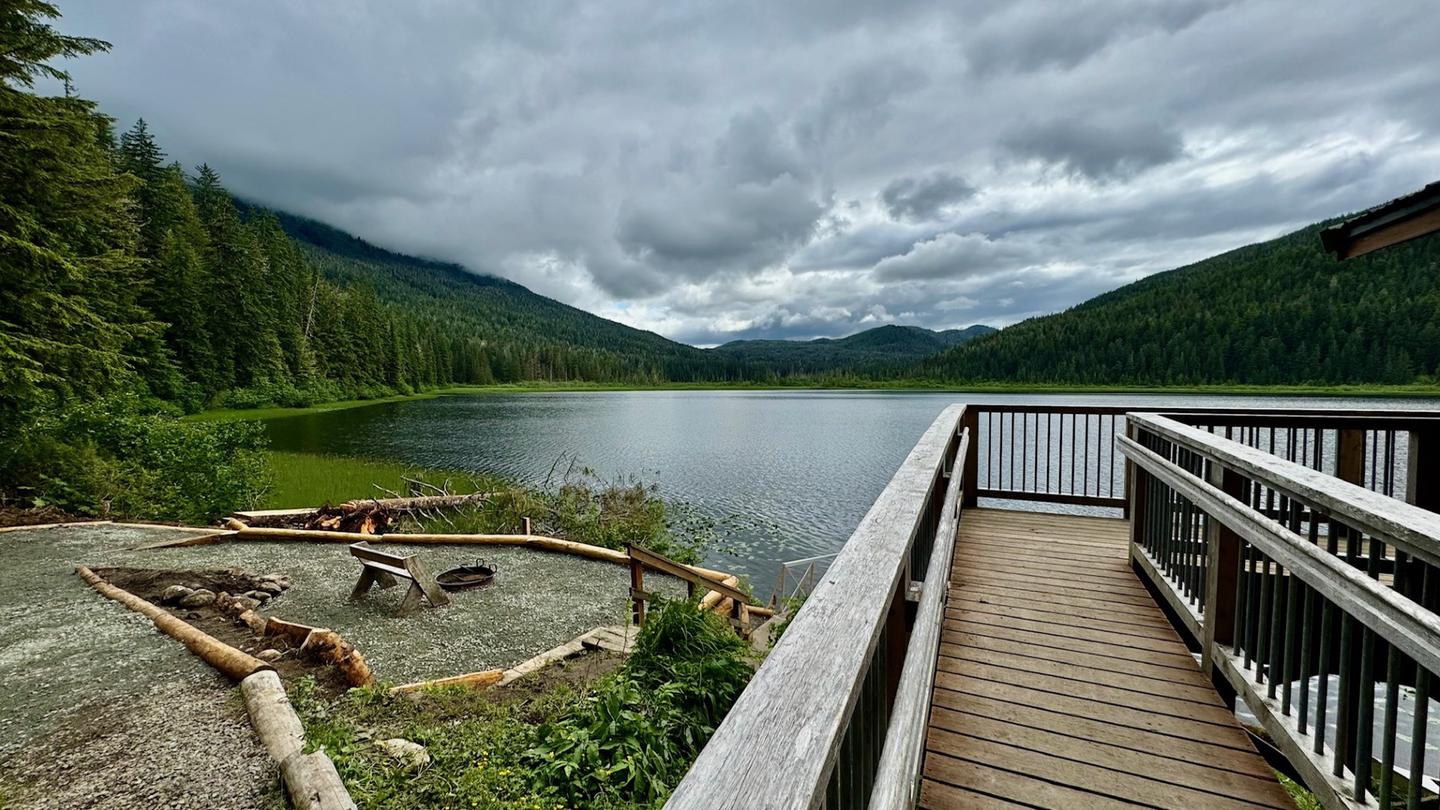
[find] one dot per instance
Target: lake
(793, 470)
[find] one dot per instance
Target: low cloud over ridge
(721, 171)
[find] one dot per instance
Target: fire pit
(465, 577)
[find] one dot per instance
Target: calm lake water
(795, 470)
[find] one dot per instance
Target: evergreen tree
(68, 271)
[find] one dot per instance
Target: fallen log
(310, 780)
(234, 663)
(365, 518)
(415, 503)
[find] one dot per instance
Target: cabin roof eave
(1404, 218)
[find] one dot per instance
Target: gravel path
(175, 746)
(97, 708)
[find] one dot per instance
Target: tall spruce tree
(69, 322)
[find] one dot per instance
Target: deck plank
(1062, 684)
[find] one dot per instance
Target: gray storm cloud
(717, 171)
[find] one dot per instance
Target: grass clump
(314, 479)
(623, 742)
(576, 505)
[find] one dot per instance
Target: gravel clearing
(97, 708)
(91, 690)
(537, 601)
(175, 746)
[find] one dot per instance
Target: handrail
(1398, 619)
(1305, 635)
(897, 785)
(779, 745)
(1415, 530)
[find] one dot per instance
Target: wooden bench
(386, 570)
(642, 559)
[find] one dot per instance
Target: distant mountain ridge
(1276, 312)
(527, 335)
(880, 346)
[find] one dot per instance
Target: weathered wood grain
(1058, 691)
(777, 745)
(1414, 530)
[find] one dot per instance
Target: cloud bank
(716, 171)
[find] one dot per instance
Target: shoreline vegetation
(1414, 390)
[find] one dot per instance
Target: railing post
(1422, 469)
(1350, 456)
(1135, 495)
(971, 421)
(1223, 571)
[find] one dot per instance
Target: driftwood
(234, 663)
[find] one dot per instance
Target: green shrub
(115, 458)
(586, 509)
(624, 743)
(632, 740)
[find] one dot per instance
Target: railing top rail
(1407, 526)
(904, 751)
(1327, 417)
(776, 745)
(1397, 619)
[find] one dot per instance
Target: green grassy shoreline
(1378, 391)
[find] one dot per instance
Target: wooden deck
(1061, 684)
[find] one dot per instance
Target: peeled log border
(711, 601)
(234, 663)
(310, 779)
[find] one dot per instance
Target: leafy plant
(635, 737)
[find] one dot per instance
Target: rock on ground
(412, 756)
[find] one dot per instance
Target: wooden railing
(837, 712)
(836, 716)
(1299, 585)
(1066, 454)
(1379, 450)
(1055, 453)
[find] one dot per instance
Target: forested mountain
(880, 348)
(499, 330)
(1277, 312)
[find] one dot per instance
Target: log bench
(386, 570)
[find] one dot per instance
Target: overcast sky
(714, 171)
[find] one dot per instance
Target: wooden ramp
(1061, 684)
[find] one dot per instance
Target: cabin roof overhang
(1400, 220)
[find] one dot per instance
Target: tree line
(1278, 312)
